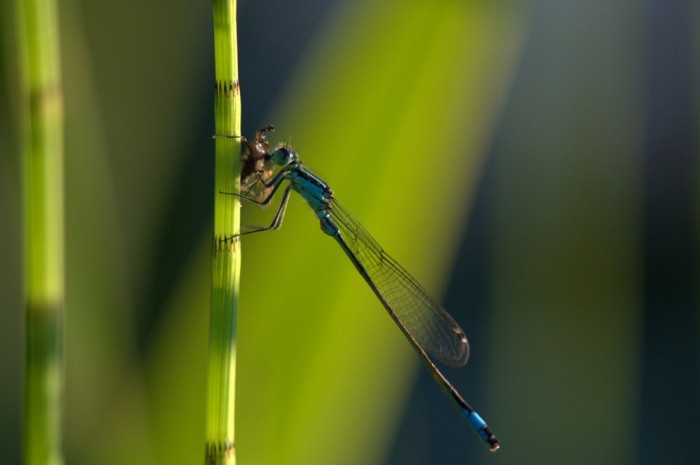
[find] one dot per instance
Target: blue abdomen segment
(328, 226)
(477, 423)
(482, 430)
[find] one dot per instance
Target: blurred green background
(533, 163)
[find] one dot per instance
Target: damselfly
(427, 326)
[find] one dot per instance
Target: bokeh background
(533, 163)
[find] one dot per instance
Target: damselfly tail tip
(482, 430)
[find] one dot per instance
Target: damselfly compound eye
(283, 156)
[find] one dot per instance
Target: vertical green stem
(42, 171)
(226, 259)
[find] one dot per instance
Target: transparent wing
(422, 316)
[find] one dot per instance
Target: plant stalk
(226, 258)
(42, 175)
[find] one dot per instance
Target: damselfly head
(283, 155)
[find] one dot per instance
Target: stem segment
(42, 171)
(226, 259)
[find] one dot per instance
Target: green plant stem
(42, 171)
(226, 259)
